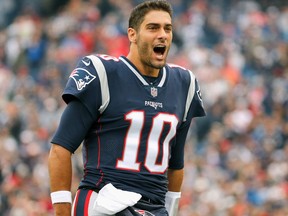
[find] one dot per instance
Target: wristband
(172, 202)
(61, 197)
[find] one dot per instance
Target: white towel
(111, 200)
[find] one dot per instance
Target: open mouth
(159, 49)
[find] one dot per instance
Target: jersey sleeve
(74, 124)
(84, 84)
(196, 109)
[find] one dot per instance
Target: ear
(131, 35)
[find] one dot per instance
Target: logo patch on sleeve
(81, 77)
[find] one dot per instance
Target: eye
(168, 28)
(152, 27)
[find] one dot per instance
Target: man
(133, 115)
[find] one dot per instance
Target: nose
(163, 34)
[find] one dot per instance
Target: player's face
(154, 39)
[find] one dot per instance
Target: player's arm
(74, 125)
(60, 171)
(175, 172)
(175, 179)
(176, 162)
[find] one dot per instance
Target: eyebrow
(158, 24)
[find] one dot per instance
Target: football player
(132, 115)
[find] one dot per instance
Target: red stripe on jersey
(87, 201)
(76, 202)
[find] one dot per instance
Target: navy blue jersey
(139, 127)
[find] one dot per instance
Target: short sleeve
(84, 84)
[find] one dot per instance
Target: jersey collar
(139, 75)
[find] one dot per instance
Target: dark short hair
(139, 12)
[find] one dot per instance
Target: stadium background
(236, 157)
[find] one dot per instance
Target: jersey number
(129, 160)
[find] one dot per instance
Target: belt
(148, 200)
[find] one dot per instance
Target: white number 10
(129, 160)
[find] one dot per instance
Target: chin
(158, 66)
(161, 65)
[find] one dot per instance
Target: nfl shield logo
(154, 91)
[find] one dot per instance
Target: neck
(144, 69)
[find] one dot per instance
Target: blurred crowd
(236, 157)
